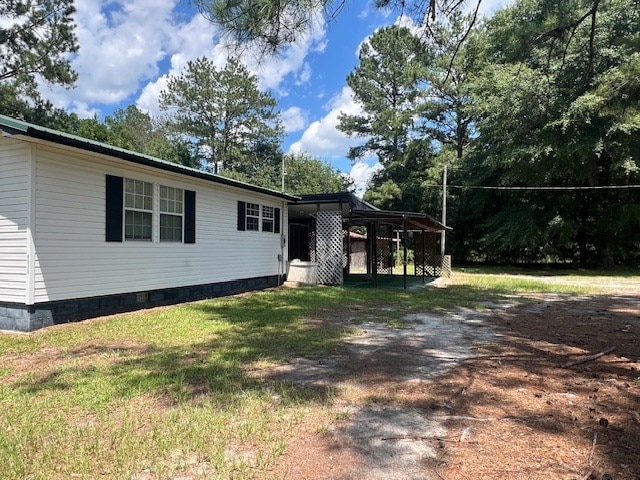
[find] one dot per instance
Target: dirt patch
(471, 395)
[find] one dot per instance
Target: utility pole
(444, 209)
(283, 174)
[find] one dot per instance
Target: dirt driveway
(466, 394)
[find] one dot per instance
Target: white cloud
(190, 41)
(322, 138)
(121, 44)
(407, 22)
(304, 75)
(361, 173)
(294, 119)
(128, 47)
(148, 101)
(199, 38)
(82, 110)
(272, 71)
(365, 12)
(370, 9)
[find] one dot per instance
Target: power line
(569, 188)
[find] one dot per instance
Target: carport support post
(397, 250)
(369, 251)
(424, 258)
(374, 254)
(404, 248)
(348, 232)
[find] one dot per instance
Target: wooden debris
(588, 358)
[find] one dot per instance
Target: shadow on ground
(453, 394)
(483, 394)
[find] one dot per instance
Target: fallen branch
(593, 447)
(588, 358)
(419, 438)
(465, 418)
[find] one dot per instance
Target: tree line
(535, 113)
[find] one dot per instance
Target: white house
(89, 229)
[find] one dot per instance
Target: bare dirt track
(488, 394)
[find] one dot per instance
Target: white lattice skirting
(329, 247)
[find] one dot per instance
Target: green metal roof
(11, 126)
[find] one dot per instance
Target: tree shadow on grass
(534, 392)
(257, 328)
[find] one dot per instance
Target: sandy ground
(484, 394)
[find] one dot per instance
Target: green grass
(173, 391)
(577, 282)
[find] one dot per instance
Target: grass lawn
(172, 392)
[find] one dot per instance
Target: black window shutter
(276, 221)
(114, 208)
(189, 216)
(241, 214)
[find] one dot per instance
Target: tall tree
(402, 187)
(131, 128)
(135, 130)
(16, 104)
(445, 111)
(309, 175)
(304, 174)
(387, 83)
(259, 165)
(223, 110)
(415, 111)
(557, 99)
(446, 116)
(35, 38)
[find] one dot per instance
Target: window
(171, 212)
(138, 210)
(267, 219)
(253, 216)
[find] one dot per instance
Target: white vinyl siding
(14, 220)
(75, 261)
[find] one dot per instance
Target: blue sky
(128, 47)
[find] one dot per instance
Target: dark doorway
(299, 241)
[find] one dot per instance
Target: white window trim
(155, 212)
(171, 214)
(247, 216)
(133, 209)
(264, 218)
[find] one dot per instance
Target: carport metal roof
(357, 212)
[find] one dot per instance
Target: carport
(321, 231)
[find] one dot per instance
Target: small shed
(357, 248)
(321, 231)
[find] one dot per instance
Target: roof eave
(421, 219)
(14, 127)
